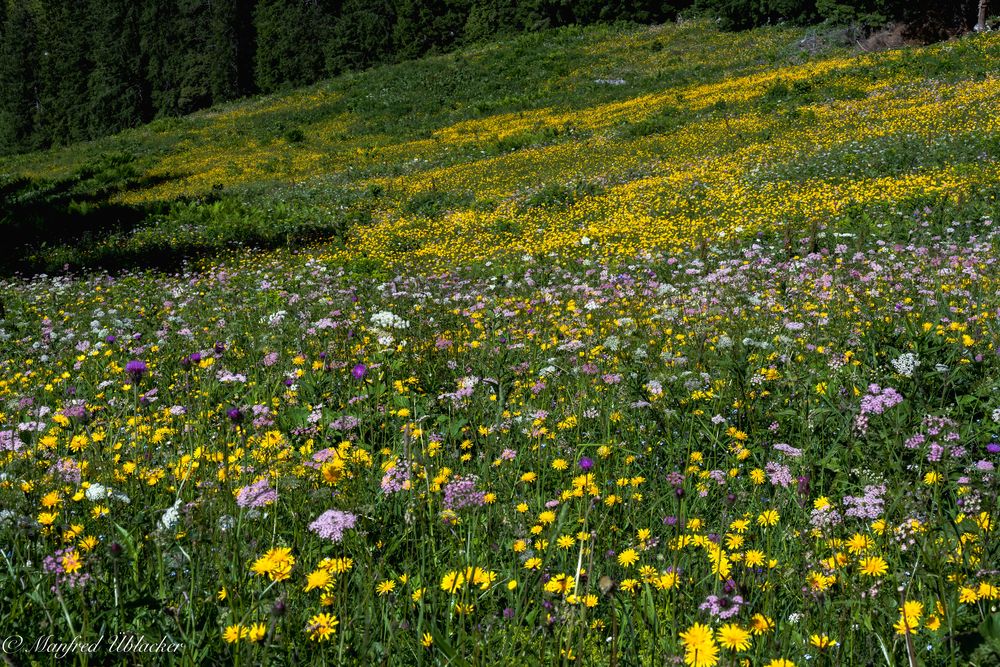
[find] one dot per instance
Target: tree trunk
(981, 23)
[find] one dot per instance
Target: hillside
(632, 139)
(603, 346)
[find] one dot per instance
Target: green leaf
(990, 629)
(448, 649)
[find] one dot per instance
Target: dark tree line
(927, 19)
(77, 69)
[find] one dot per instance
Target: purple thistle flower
(586, 463)
(136, 368)
(359, 371)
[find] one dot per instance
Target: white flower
(171, 516)
(387, 320)
(906, 363)
(97, 492)
(277, 318)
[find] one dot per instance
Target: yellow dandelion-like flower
(967, 595)
(318, 579)
(733, 637)
(873, 566)
(768, 518)
(761, 624)
(321, 627)
(234, 633)
(628, 558)
(821, 641)
(256, 632)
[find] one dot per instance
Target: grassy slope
(527, 147)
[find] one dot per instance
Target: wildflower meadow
(705, 373)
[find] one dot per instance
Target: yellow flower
(276, 564)
(768, 518)
(753, 558)
(51, 499)
(71, 562)
(427, 640)
(318, 579)
(561, 584)
(336, 565)
(858, 543)
(733, 637)
(322, 626)
(700, 649)
(697, 636)
(873, 566)
(452, 581)
(821, 641)
(234, 633)
(967, 595)
(760, 624)
(385, 587)
(628, 558)
(257, 632)
(781, 662)
(532, 563)
(987, 591)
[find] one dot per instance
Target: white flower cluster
(97, 492)
(387, 320)
(171, 516)
(996, 416)
(906, 363)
